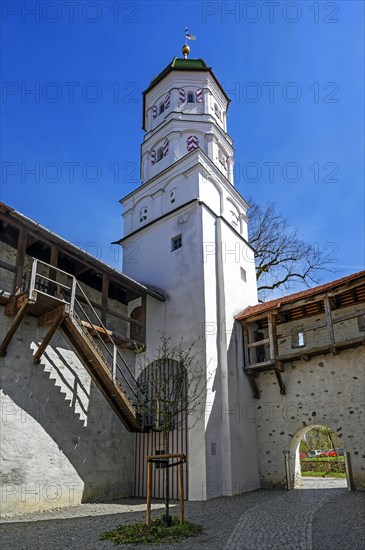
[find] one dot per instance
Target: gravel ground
(78, 528)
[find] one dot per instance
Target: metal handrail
(73, 301)
(112, 355)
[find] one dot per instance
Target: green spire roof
(181, 64)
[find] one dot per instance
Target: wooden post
(287, 471)
(272, 336)
(245, 344)
(59, 316)
(349, 474)
(181, 482)
(274, 351)
(150, 459)
(53, 290)
(20, 258)
(104, 299)
(149, 492)
(327, 309)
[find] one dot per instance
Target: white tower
(186, 233)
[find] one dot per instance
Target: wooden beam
(15, 303)
(282, 316)
(46, 340)
(327, 309)
(54, 256)
(334, 350)
(49, 317)
(20, 258)
(254, 387)
(280, 366)
(181, 456)
(13, 328)
(53, 289)
(259, 343)
(82, 270)
(346, 287)
(7, 266)
(269, 364)
(280, 382)
(104, 298)
(273, 337)
(95, 329)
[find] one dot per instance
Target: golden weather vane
(186, 48)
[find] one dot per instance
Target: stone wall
(61, 442)
(328, 390)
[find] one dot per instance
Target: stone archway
(294, 459)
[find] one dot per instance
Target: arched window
(234, 218)
(222, 157)
(161, 108)
(217, 111)
(159, 154)
(191, 98)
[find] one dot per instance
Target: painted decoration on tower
(165, 147)
(192, 143)
(143, 214)
(199, 96)
(153, 157)
(167, 101)
(182, 95)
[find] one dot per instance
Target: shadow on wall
(58, 429)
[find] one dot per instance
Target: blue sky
(294, 72)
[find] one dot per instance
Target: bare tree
(172, 385)
(282, 258)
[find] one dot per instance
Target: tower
(186, 233)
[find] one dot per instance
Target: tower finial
(186, 48)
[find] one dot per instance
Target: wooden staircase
(55, 305)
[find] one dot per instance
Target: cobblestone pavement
(312, 519)
(287, 524)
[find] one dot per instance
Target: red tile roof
(266, 306)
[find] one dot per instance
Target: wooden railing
(320, 337)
